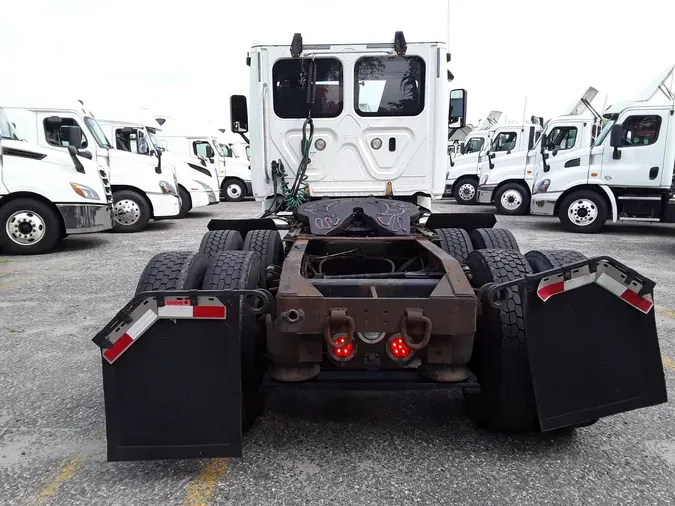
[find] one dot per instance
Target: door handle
(574, 162)
(653, 173)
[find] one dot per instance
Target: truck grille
(106, 185)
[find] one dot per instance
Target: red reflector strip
(554, 286)
(548, 291)
(644, 304)
(212, 312)
(634, 299)
(118, 348)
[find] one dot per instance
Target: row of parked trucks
(584, 167)
(66, 171)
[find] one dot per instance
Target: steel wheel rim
(127, 212)
(511, 200)
(582, 212)
(467, 191)
(25, 227)
(233, 191)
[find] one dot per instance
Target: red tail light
(398, 348)
(342, 348)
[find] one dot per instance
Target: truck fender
(612, 202)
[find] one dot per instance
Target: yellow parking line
(66, 472)
(669, 363)
(669, 312)
(201, 490)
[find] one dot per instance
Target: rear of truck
(367, 288)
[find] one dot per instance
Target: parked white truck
(627, 174)
(142, 188)
(131, 134)
(484, 147)
(507, 181)
(201, 143)
(48, 193)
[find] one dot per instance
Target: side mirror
(457, 113)
(72, 134)
(238, 114)
(616, 137)
(542, 146)
(554, 152)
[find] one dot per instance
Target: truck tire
(131, 211)
(506, 401)
(513, 199)
(455, 241)
(173, 270)
(215, 242)
(545, 260)
(233, 190)
(584, 212)
(241, 270)
(268, 244)
(465, 191)
(29, 227)
(185, 202)
(493, 238)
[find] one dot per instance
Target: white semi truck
(47, 193)
(143, 189)
(627, 173)
(368, 289)
(129, 133)
(201, 143)
(487, 145)
(507, 181)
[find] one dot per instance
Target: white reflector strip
(573, 283)
(175, 311)
(142, 324)
(610, 284)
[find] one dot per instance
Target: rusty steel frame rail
(452, 305)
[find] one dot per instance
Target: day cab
(47, 193)
(627, 174)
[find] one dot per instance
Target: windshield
(98, 134)
(218, 147)
(5, 126)
(474, 145)
(605, 130)
(154, 140)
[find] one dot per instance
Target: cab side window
(203, 148)
(641, 130)
(505, 141)
(54, 131)
(562, 138)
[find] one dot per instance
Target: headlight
(543, 186)
(167, 188)
(84, 191)
(206, 187)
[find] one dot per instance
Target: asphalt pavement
(309, 447)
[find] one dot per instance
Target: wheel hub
(467, 191)
(511, 200)
(233, 191)
(582, 212)
(127, 212)
(25, 228)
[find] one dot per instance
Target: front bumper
(200, 198)
(164, 205)
(448, 186)
(249, 188)
(213, 199)
(486, 193)
(544, 203)
(86, 218)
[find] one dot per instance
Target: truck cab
(47, 193)
(202, 144)
(131, 134)
(142, 188)
(507, 182)
(462, 180)
(627, 173)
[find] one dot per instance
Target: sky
(185, 58)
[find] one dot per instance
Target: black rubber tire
(223, 190)
(597, 199)
(545, 260)
(506, 401)
(241, 270)
(455, 241)
(458, 184)
(268, 244)
(215, 242)
(53, 226)
(493, 238)
(173, 270)
(144, 216)
(185, 202)
(524, 207)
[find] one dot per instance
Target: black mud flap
(171, 374)
(592, 341)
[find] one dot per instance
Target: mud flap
(592, 341)
(171, 374)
